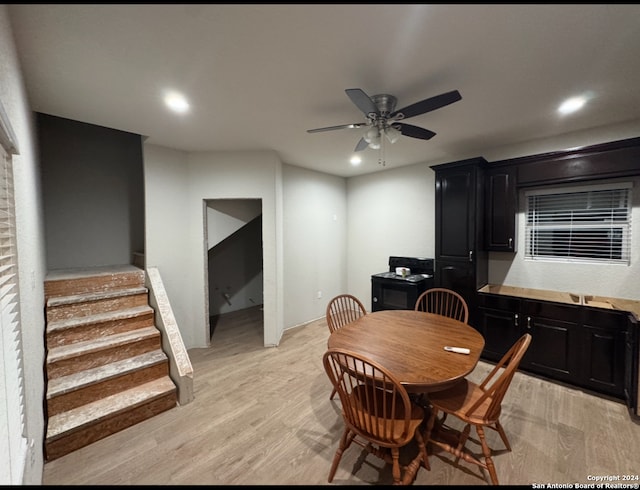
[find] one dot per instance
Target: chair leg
(462, 440)
(487, 455)
(422, 447)
(345, 442)
(427, 432)
(395, 456)
(333, 393)
(503, 435)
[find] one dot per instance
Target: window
(580, 224)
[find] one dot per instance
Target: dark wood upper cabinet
(501, 207)
(503, 178)
(459, 209)
(595, 162)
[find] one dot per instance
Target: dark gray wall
(93, 193)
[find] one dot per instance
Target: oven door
(392, 294)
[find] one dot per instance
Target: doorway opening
(234, 264)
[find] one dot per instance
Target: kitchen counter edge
(619, 304)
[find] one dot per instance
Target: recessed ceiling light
(572, 104)
(176, 102)
(356, 160)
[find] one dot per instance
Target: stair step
(74, 390)
(93, 296)
(64, 282)
(65, 307)
(83, 425)
(71, 330)
(72, 358)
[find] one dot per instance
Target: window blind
(580, 225)
(13, 438)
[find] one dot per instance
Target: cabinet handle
(470, 255)
(510, 242)
(516, 319)
(528, 322)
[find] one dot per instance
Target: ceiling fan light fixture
(372, 136)
(392, 134)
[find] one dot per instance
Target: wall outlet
(319, 294)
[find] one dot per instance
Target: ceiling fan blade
(362, 101)
(427, 105)
(362, 144)
(332, 128)
(414, 131)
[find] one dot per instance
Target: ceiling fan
(384, 120)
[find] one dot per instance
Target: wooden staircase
(105, 367)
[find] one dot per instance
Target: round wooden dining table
(411, 344)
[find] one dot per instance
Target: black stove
(391, 291)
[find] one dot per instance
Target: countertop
(632, 306)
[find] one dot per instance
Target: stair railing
(180, 369)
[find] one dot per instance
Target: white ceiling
(258, 76)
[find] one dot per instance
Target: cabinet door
(555, 343)
(500, 330)
(603, 351)
(499, 324)
(455, 213)
(501, 209)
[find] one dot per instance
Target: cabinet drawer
(556, 311)
(598, 317)
(499, 302)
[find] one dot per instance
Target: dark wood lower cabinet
(555, 344)
(499, 324)
(604, 336)
(579, 345)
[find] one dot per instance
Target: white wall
(389, 213)
(315, 242)
(176, 187)
(31, 255)
(226, 216)
(166, 182)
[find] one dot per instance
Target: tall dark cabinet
(461, 262)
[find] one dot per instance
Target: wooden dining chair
(377, 412)
(342, 310)
(444, 302)
(477, 405)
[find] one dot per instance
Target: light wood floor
(262, 416)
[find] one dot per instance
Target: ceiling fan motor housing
(385, 103)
